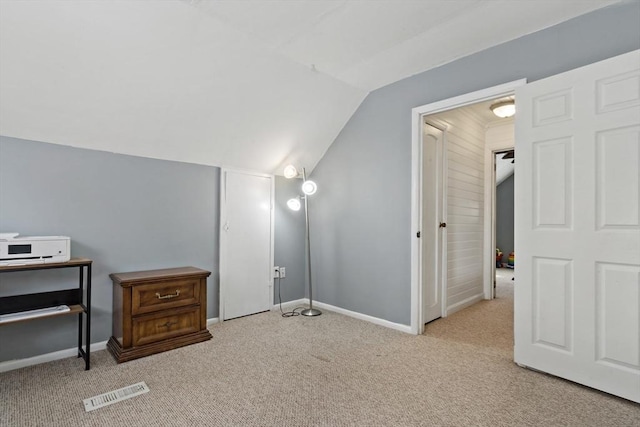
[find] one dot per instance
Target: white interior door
(431, 236)
(577, 288)
(245, 243)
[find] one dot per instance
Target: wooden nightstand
(158, 310)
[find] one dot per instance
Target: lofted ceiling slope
(248, 84)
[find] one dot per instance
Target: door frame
(222, 234)
(489, 258)
(418, 116)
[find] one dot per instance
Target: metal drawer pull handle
(166, 325)
(168, 296)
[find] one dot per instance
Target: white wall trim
(417, 117)
(465, 303)
(11, 365)
(272, 248)
(290, 305)
(213, 321)
(222, 259)
(375, 320)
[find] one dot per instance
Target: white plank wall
(465, 136)
(500, 134)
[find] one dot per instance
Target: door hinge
(443, 225)
(418, 234)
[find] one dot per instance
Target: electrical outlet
(282, 273)
(276, 272)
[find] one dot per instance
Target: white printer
(16, 250)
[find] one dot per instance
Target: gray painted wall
(504, 217)
(126, 213)
(289, 241)
(361, 255)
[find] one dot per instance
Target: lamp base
(311, 312)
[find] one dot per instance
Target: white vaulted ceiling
(248, 84)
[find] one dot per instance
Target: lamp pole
(310, 311)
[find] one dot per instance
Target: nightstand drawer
(162, 326)
(163, 295)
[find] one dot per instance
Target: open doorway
(504, 166)
(467, 204)
(472, 318)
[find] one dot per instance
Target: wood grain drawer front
(162, 326)
(163, 295)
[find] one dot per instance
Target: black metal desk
(78, 299)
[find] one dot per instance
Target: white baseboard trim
(375, 320)
(290, 305)
(213, 321)
(10, 365)
(464, 303)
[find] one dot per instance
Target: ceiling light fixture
(504, 109)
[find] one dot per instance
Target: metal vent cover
(115, 396)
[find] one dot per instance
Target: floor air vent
(114, 396)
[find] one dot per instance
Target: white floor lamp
(308, 188)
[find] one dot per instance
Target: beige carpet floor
(331, 370)
(487, 324)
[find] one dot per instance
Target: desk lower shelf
(73, 309)
(24, 302)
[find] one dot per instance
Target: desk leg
(80, 289)
(88, 313)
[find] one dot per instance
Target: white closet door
(245, 243)
(432, 232)
(577, 269)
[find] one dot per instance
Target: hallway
(489, 323)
